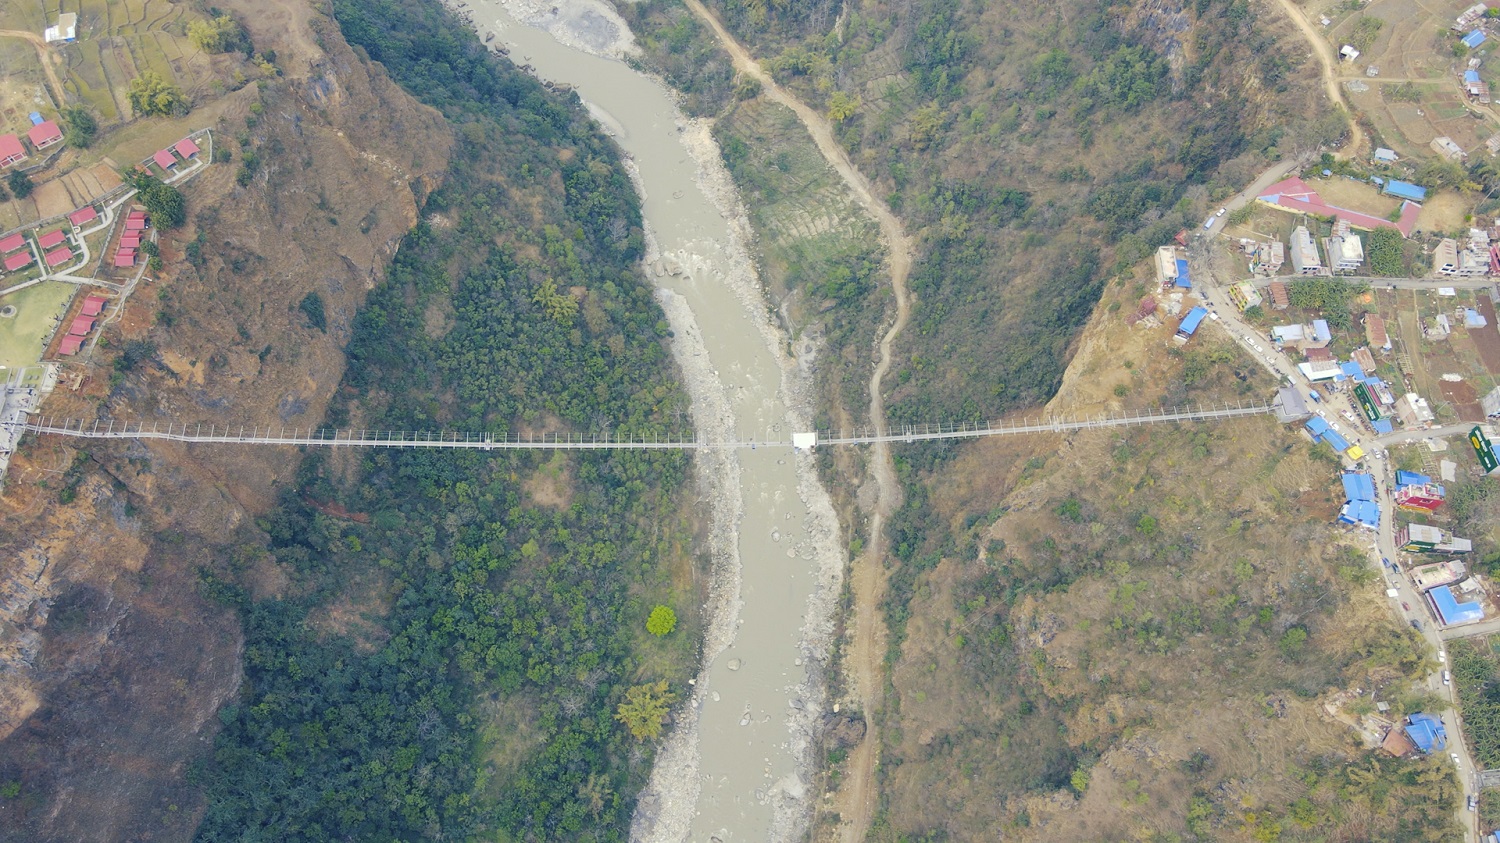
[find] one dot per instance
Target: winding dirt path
(866, 649)
(1324, 51)
(44, 55)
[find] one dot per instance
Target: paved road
(1276, 173)
(1409, 603)
(1398, 283)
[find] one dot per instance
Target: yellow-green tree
(560, 306)
(645, 709)
(150, 94)
(662, 621)
(841, 107)
(217, 34)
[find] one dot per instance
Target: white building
(1445, 257)
(1414, 410)
(1474, 260)
(1491, 403)
(1345, 250)
(66, 30)
(1305, 252)
(1166, 265)
(1445, 147)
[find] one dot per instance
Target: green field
(21, 336)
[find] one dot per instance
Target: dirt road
(865, 654)
(44, 55)
(1326, 58)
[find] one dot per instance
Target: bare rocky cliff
(113, 662)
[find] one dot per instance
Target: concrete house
(1305, 257)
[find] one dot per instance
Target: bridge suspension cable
(332, 437)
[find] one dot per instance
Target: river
(737, 765)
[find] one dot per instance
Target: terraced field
(118, 40)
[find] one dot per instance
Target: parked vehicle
(1473, 803)
(1447, 678)
(1405, 608)
(1313, 394)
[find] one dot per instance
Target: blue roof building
(1471, 76)
(1427, 732)
(1317, 426)
(1405, 190)
(1452, 612)
(36, 118)
(1320, 331)
(1358, 486)
(1360, 506)
(1190, 322)
(1338, 442)
(1383, 426)
(1411, 478)
(1363, 513)
(1473, 39)
(1353, 371)
(1182, 274)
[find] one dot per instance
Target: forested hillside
(1035, 149)
(451, 633)
(1096, 637)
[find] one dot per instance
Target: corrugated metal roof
(1405, 190)
(1473, 39)
(1427, 732)
(1191, 320)
(1320, 330)
(1451, 611)
(1411, 478)
(1358, 486)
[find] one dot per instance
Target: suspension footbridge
(218, 434)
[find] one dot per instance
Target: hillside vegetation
(1035, 150)
(455, 631)
(1142, 634)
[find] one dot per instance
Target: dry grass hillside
(1143, 634)
(1033, 150)
(112, 662)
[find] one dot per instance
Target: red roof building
(44, 134)
(1296, 196)
(135, 223)
(81, 326)
(1318, 355)
(51, 238)
(93, 305)
(83, 215)
(1428, 497)
(11, 150)
(70, 345)
(124, 260)
(12, 243)
(17, 261)
(165, 159)
(186, 148)
(1280, 298)
(130, 241)
(59, 257)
